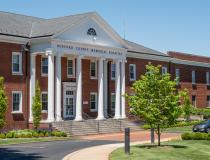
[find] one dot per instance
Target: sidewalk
(102, 152)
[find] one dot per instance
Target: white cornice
(13, 39)
(191, 63)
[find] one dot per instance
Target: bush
(41, 134)
(58, 134)
(203, 111)
(46, 134)
(35, 134)
(10, 135)
(195, 136)
(2, 136)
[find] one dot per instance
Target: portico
(69, 103)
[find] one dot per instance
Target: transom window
(93, 69)
(113, 102)
(207, 78)
(70, 68)
(16, 63)
(113, 70)
(193, 77)
(44, 101)
(132, 72)
(44, 65)
(16, 101)
(93, 102)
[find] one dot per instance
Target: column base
(123, 117)
(100, 118)
(117, 117)
(59, 120)
(50, 120)
(78, 119)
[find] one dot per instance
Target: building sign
(87, 49)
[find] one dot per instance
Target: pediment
(92, 30)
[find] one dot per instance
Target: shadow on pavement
(12, 154)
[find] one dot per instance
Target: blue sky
(178, 25)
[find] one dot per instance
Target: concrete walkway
(102, 152)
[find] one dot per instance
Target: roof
(137, 48)
(29, 27)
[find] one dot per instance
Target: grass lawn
(30, 140)
(173, 150)
(179, 129)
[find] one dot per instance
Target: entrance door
(69, 103)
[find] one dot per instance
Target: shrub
(10, 135)
(35, 134)
(2, 135)
(41, 134)
(195, 136)
(63, 134)
(46, 134)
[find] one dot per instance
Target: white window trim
(44, 74)
(113, 78)
(134, 67)
(207, 78)
(96, 64)
(96, 108)
(20, 72)
(112, 109)
(73, 63)
(20, 106)
(164, 69)
(44, 92)
(193, 77)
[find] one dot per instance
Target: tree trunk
(158, 135)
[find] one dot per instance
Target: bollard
(152, 134)
(127, 140)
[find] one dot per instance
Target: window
(70, 68)
(113, 68)
(93, 69)
(194, 100)
(208, 101)
(178, 75)
(193, 77)
(16, 63)
(91, 32)
(93, 102)
(44, 65)
(164, 70)
(113, 102)
(132, 72)
(16, 101)
(44, 101)
(207, 78)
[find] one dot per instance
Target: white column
(32, 83)
(50, 55)
(117, 90)
(105, 90)
(58, 88)
(100, 89)
(78, 116)
(123, 89)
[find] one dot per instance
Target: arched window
(91, 32)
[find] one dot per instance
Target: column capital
(49, 52)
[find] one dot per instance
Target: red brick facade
(21, 82)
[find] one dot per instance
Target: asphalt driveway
(46, 150)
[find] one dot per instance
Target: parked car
(202, 127)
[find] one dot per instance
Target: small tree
(186, 105)
(37, 106)
(155, 99)
(3, 103)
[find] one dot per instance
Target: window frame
(207, 78)
(193, 73)
(113, 63)
(20, 60)
(113, 107)
(20, 104)
(164, 70)
(44, 74)
(96, 101)
(134, 67)
(96, 69)
(177, 74)
(42, 93)
(73, 67)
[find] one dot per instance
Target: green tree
(186, 105)
(3, 103)
(37, 106)
(155, 99)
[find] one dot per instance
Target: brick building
(83, 67)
